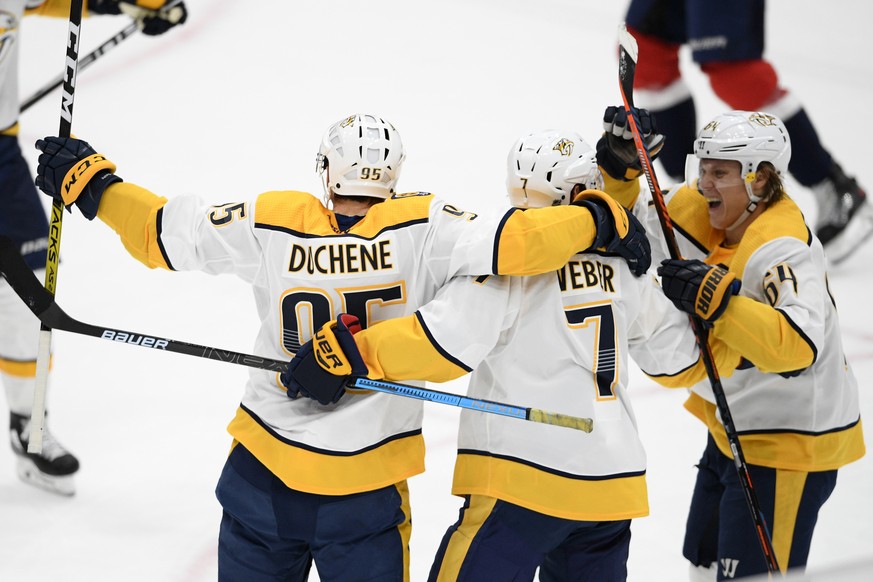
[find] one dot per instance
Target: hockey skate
(845, 215)
(52, 469)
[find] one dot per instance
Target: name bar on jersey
(341, 258)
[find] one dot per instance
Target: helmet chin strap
(753, 200)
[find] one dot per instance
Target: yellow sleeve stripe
(765, 336)
(543, 240)
(133, 213)
(404, 349)
(11, 130)
(725, 359)
(624, 192)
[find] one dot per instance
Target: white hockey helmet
(360, 155)
(749, 137)
(543, 168)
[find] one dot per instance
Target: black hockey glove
(616, 150)
(324, 364)
(152, 16)
(618, 231)
(70, 170)
(697, 288)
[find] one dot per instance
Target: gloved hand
(618, 231)
(70, 170)
(153, 16)
(323, 365)
(697, 288)
(616, 150)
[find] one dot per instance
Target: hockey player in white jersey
(23, 220)
(794, 398)
(327, 481)
(536, 496)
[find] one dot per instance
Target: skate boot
(845, 218)
(52, 469)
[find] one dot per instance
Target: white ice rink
(234, 103)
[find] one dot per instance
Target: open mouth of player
(713, 202)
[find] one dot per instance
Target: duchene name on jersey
(341, 258)
(586, 274)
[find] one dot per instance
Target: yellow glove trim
(80, 174)
(711, 292)
(619, 215)
(328, 353)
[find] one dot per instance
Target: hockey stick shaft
(529, 414)
(84, 63)
(43, 356)
(627, 69)
(43, 305)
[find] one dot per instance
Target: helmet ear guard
(544, 167)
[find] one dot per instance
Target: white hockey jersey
(558, 342)
(794, 398)
(305, 272)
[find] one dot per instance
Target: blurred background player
(23, 220)
(727, 40)
(536, 496)
(325, 481)
(794, 398)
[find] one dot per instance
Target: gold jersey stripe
(20, 369)
(598, 499)
(825, 451)
(327, 472)
(303, 213)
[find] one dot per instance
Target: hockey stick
(531, 414)
(43, 305)
(43, 357)
(84, 62)
(627, 63)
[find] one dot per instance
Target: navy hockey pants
(23, 217)
(720, 527)
(496, 541)
(271, 532)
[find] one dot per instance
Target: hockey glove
(70, 170)
(697, 288)
(324, 364)
(616, 150)
(618, 231)
(152, 16)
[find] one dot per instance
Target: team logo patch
(564, 146)
(762, 119)
(348, 121)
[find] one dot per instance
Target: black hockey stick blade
(43, 305)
